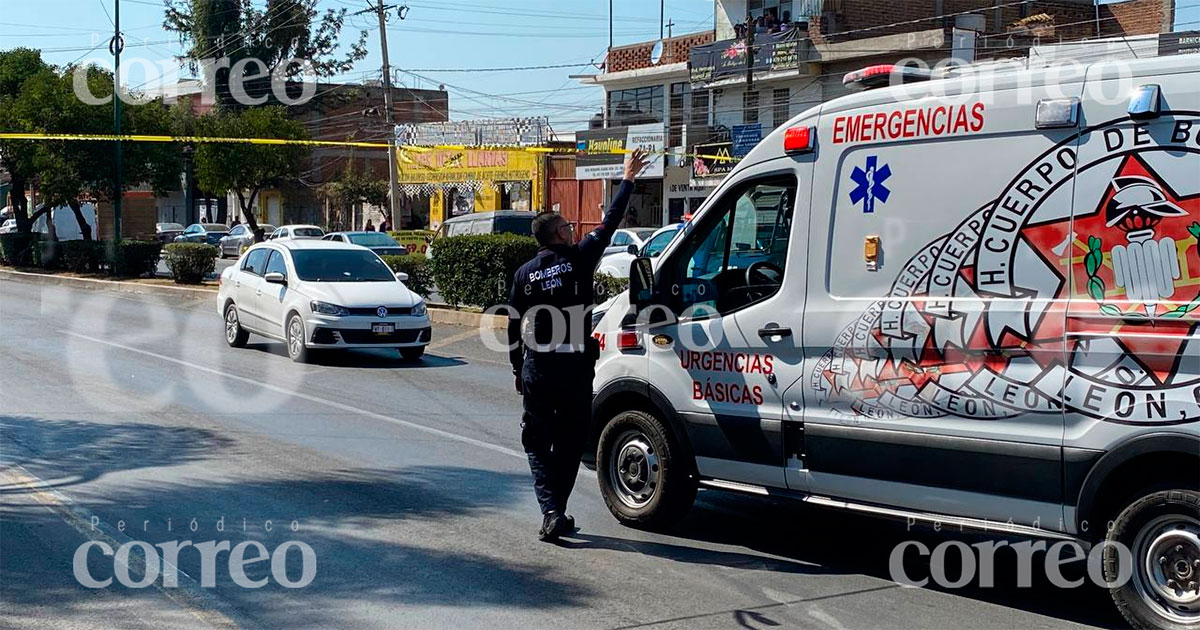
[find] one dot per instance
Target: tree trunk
(84, 228)
(223, 208)
(20, 203)
(247, 208)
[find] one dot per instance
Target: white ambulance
(971, 299)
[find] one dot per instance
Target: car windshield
(308, 231)
(215, 227)
(372, 239)
(340, 265)
(169, 226)
(644, 234)
(514, 225)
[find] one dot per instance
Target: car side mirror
(401, 276)
(275, 277)
(641, 281)
(632, 249)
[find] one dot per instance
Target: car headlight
(420, 309)
(325, 308)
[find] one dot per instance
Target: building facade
(718, 92)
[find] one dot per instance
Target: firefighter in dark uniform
(552, 353)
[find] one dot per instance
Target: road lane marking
(316, 399)
(188, 594)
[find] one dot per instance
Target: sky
(436, 35)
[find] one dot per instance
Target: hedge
(133, 259)
(82, 256)
(18, 250)
(420, 280)
(608, 286)
(477, 269)
(190, 263)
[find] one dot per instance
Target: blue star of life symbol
(870, 184)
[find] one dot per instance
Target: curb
(437, 314)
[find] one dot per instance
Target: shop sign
(775, 52)
(601, 152)
(713, 160)
(447, 165)
(745, 138)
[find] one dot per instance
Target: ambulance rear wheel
(1157, 584)
(642, 476)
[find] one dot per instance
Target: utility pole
(749, 56)
(117, 44)
(381, 10)
(662, 10)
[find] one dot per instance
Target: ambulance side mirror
(641, 281)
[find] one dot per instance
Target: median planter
(477, 269)
(190, 263)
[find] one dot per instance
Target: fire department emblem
(1076, 290)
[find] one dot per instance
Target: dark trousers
(557, 391)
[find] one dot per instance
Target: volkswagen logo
(381, 311)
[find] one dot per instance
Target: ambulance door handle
(774, 331)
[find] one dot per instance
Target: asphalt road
(124, 418)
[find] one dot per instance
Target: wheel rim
(634, 469)
(295, 337)
(1167, 553)
(231, 324)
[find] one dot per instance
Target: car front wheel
(235, 335)
(1160, 533)
(296, 347)
(643, 476)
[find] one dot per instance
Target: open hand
(636, 163)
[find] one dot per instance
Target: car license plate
(383, 329)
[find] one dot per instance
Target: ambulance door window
(737, 256)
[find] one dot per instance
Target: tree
(244, 168)
(352, 188)
(235, 30)
(16, 67)
(65, 169)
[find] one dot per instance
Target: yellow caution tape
(314, 143)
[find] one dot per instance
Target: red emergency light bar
(883, 75)
(799, 139)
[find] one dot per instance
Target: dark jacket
(561, 277)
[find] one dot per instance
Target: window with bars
(750, 107)
(781, 110)
(698, 119)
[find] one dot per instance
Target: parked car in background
(378, 242)
(8, 227)
(296, 231)
(618, 264)
(240, 238)
(166, 232)
(314, 294)
(626, 237)
(210, 233)
(497, 222)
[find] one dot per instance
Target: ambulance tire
(643, 476)
(1158, 534)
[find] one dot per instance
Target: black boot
(550, 523)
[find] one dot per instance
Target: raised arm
(592, 246)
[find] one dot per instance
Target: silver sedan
(240, 239)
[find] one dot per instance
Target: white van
(941, 302)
